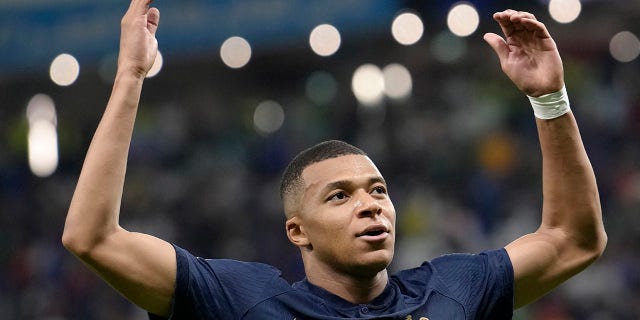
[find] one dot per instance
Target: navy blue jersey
(455, 286)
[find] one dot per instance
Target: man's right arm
(139, 266)
(571, 235)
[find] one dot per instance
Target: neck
(355, 289)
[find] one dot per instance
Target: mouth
(376, 232)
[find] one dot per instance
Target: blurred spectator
(458, 155)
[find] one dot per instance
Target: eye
(337, 196)
(379, 190)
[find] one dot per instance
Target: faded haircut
(292, 177)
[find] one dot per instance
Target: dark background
(461, 154)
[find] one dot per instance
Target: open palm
(528, 54)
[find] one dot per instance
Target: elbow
(600, 243)
(83, 241)
(595, 246)
(73, 238)
(78, 241)
(591, 236)
(84, 248)
(74, 243)
(598, 240)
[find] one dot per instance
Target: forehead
(343, 168)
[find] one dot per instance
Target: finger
(504, 21)
(139, 6)
(505, 14)
(522, 15)
(498, 44)
(536, 26)
(518, 17)
(153, 19)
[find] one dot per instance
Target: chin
(374, 262)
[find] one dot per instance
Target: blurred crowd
(460, 155)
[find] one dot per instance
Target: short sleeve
(220, 288)
(483, 282)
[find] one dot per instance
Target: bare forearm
(571, 235)
(95, 206)
(571, 201)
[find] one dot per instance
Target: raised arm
(571, 235)
(139, 266)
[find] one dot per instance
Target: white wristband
(552, 105)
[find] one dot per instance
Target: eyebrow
(346, 184)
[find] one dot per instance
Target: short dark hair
(291, 178)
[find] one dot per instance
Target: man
(340, 216)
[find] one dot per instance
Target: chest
(434, 307)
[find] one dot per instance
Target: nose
(367, 206)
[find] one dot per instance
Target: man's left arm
(571, 235)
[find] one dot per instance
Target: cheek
(329, 228)
(333, 225)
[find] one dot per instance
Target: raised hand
(138, 44)
(528, 56)
(141, 267)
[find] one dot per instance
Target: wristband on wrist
(552, 105)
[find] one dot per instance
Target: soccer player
(340, 216)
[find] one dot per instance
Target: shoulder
(232, 275)
(482, 283)
(475, 272)
(223, 286)
(222, 267)
(461, 266)
(466, 263)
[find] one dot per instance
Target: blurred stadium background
(244, 85)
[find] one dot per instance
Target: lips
(374, 231)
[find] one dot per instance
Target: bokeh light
(268, 117)
(41, 108)
(461, 152)
(565, 11)
(397, 81)
(156, 67)
(43, 148)
(624, 46)
(367, 84)
(64, 70)
(407, 28)
(324, 40)
(463, 19)
(235, 52)
(42, 139)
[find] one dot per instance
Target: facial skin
(345, 224)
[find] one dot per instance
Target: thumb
(498, 44)
(153, 19)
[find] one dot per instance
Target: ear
(296, 233)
